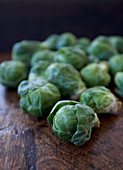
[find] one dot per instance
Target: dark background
(36, 19)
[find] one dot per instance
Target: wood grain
(29, 143)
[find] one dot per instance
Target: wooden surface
(27, 143)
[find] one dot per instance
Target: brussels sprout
(103, 39)
(52, 40)
(37, 97)
(102, 50)
(104, 65)
(72, 121)
(117, 41)
(45, 55)
(12, 73)
(24, 50)
(65, 39)
(119, 83)
(71, 55)
(101, 99)
(92, 59)
(83, 42)
(96, 74)
(66, 78)
(116, 63)
(38, 70)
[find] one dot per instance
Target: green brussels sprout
(116, 63)
(117, 41)
(37, 71)
(92, 59)
(103, 39)
(52, 41)
(12, 73)
(65, 39)
(72, 121)
(24, 50)
(45, 55)
(71, 55)
(83, 42)
(101, 99)
(95, 74)
(101, 49)
(66, 78)
(37, 97)
(119, 83)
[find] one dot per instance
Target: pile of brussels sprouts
(65, 79)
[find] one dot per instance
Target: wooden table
(27, 143)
